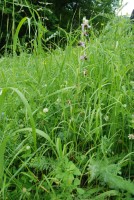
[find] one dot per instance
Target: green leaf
(80, 191)
(76, 181)
(104, 195)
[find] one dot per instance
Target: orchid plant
(84, 36)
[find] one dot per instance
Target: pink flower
(83, 57)
(82, 44)
(85, 24)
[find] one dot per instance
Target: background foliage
(51, 14)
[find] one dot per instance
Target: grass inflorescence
(66, 123)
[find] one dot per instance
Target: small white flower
(28, 147)
(131, 136)
(45, 110)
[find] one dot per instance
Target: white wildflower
(131, 136)
(28, 147)
(45, 110)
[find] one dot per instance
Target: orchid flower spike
(82, 44)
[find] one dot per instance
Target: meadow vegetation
(67, 124)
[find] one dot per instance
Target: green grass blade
(15, 38)
(25, 102)
(2, 98)
(41, 133)
(2, 151)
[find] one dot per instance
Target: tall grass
(82, 113)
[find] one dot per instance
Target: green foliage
(71, 12)
(13, 15)
(44, 18)
(65, 178)
(25, 102)
(108, 173)
(69, 122)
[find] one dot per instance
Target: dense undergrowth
(65, 122)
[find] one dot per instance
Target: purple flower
(85, 24)
(83, 57)
(85, 33)
(82, 44)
